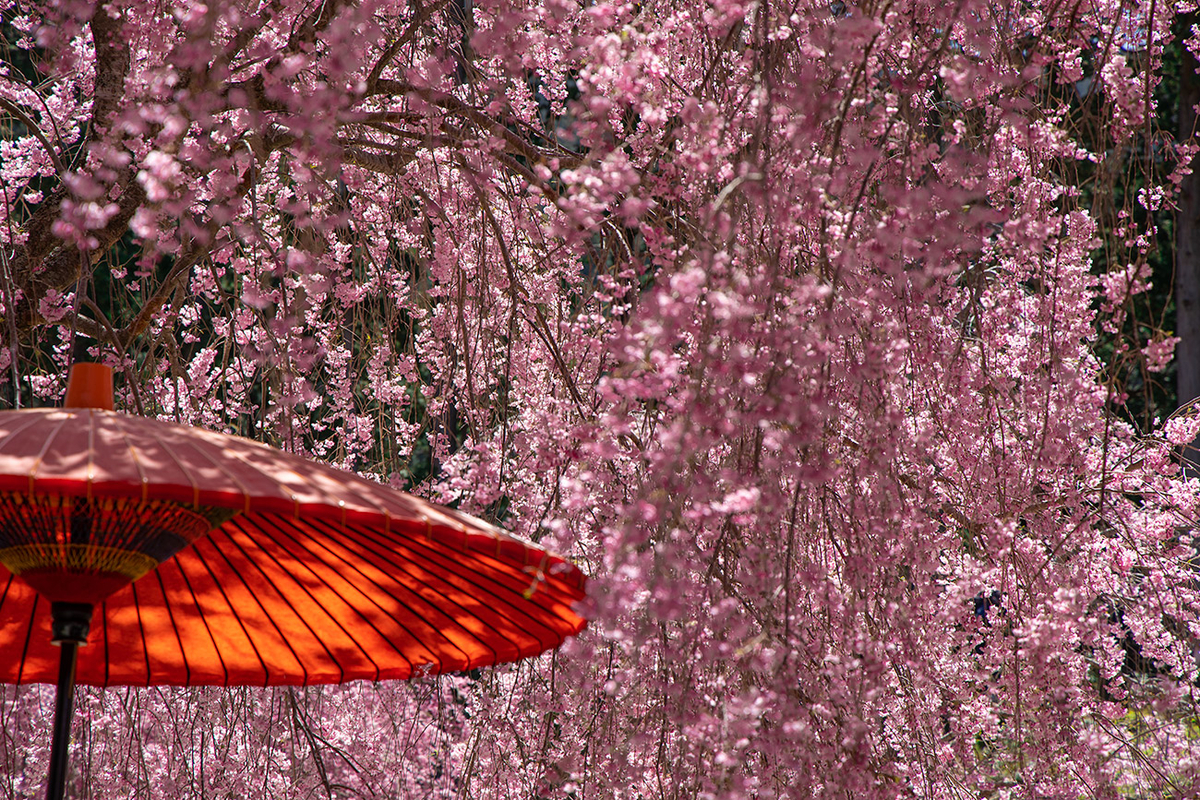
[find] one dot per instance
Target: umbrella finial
(90, 386)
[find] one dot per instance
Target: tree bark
(1187, 248)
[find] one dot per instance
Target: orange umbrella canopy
(212, 559)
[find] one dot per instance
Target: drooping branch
(36, 130)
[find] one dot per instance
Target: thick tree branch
(377, 162)
(112, 65)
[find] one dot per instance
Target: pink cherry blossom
(800, 328)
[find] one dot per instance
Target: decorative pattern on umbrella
(102, 543)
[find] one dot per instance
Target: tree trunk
(1187, 249)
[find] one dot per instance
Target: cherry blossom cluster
(782, 320)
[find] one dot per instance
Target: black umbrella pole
(70, 623)
(63, 708)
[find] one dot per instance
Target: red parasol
(199, 558)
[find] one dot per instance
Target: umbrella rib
(304, 589)
(187, 667)
(443, 554)
(497, 590)
(7, 586)
(400, 565)
(345, 489)
(28, 635)
(397, 620)
(216, 462)
(104, 627)
(137, 607)
(253, 594)
(220, 588)
(3, 597)
(204, 619)
(437, 628)
(500, 595)
(552, 562)
(137, 463)
(271, 583)
(521, 570)
(37, 463)
(239, 458)
(34, 417)
(170, 451)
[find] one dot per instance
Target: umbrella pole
(63, 708)
(69, 626)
